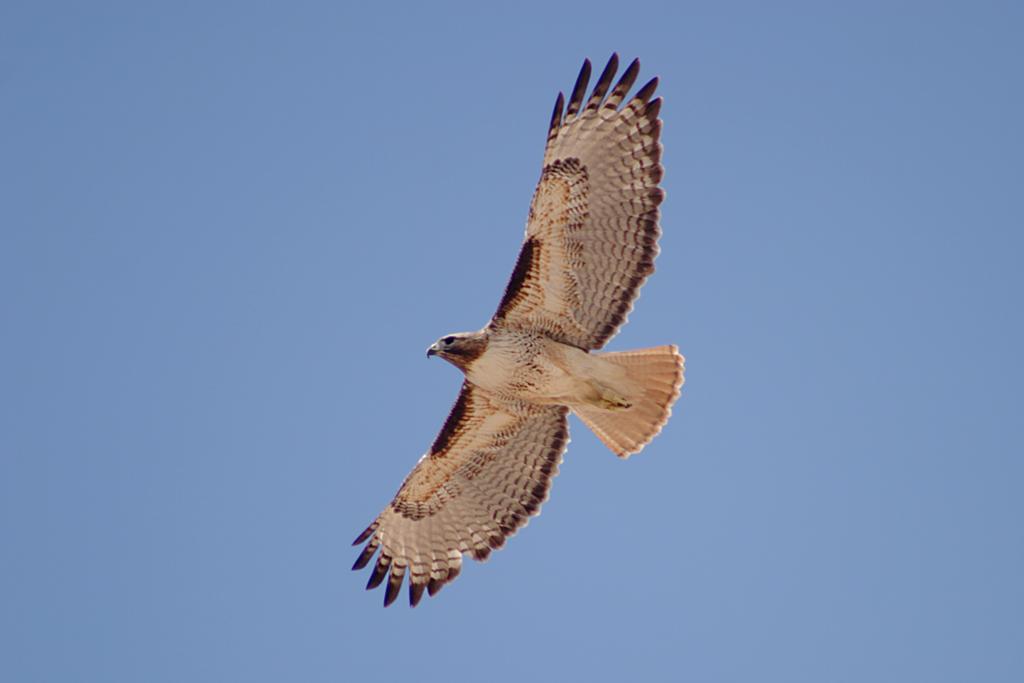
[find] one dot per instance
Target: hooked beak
(432, 351)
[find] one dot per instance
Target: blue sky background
(228, 232)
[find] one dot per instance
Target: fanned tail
(659, 373)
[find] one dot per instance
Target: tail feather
(658, 374)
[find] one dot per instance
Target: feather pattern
(592, 233)
(491, 472)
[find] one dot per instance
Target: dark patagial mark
(452, 424)
(528, 256)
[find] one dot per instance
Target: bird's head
(459, 349)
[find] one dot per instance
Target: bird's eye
(448, 340)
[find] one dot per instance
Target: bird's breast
(520, 365)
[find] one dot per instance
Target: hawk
(591, 239)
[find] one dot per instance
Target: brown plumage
(591, 240)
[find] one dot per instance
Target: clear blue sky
(228, 231)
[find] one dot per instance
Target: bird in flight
(591, 239)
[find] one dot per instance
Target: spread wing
(592, 233)
(489, 469)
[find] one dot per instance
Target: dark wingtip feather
(624, 84)
(393, 589)
(644, 93)
(380, 570)
(365, 535)
(364, 557)
(603, 82)
(556, 114)
(434, 586)
(576, 98)
(653, 108)
(633, 68)
(415, 593)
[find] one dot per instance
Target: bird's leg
(607, 398)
